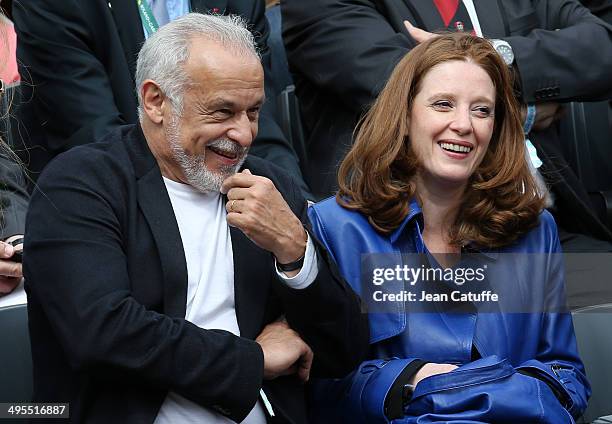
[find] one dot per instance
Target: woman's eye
(483, 111)
(443, 104)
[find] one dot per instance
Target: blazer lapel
(129, 27)
(491, 20)
(252, 274)
(155, 205)
(209, 6)
(157, 209)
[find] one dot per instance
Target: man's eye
(223, 112)
(253, 113)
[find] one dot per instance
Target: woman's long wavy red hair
(501, 201)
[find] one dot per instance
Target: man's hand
(284, 351)
(418, 34)
(257, 208)
(546, 114)
(10, 271)
(430, 369)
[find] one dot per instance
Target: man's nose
(243, 130)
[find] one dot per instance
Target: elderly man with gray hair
(170, 277)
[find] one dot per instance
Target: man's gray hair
(164, 54)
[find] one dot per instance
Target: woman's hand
(10, 271)
(430, 369)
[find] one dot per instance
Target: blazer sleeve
(344, 47)
(327, 314)
(77, 262)
(57, 52)
(13, 197)
(566, 38)
(328, 317)
(600, 8)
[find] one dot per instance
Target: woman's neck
(440, 204)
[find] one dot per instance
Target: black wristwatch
(407, 392)
(291, 266)
(18, 255)
(400, 392)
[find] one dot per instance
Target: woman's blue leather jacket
(527, 368)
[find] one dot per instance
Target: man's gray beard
(194, 167)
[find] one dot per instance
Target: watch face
(506, 53)
(407, 392)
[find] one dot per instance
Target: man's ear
(153, 101)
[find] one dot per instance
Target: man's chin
(207, 180)
(206, 187)
(211, 182)
(229, 170)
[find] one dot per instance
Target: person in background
(438, 170)
(13, 207)
(600, 8)
(77, 60)
(278, 59)
(13, 196)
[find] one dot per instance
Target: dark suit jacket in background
(600, 8)
(77, 63)
(106, 279)
(13, 196)
(341, 53)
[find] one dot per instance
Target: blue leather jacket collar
(414, 223)
(415, 214)
(407, 238)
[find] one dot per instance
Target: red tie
(447, 9)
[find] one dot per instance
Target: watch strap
(394, 402)
(529, 118)
(16, 242)
(291, 266)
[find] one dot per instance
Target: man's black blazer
(77, 60)
(341, 53)
(106, 279)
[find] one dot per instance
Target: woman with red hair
(437, 184)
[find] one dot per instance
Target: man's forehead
(223, 92)
(223, 88)
(216, 58)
